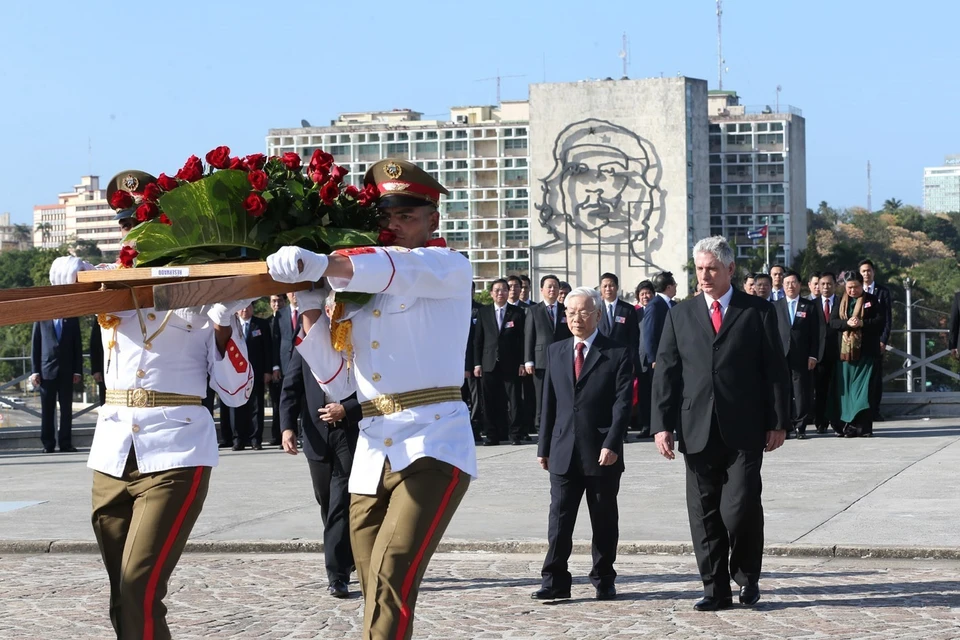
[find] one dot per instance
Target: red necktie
(293, 318)
(578, 361)
(716, 316)
(826, 309)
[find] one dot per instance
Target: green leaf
(295, 187)
(337, 238)
(208, 218)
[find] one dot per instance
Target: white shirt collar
(588, 342)
(664, 296)
(724, 299)
(788, 299)
(496, 308)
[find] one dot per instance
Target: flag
(757, 234)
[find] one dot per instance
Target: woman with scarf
(858, 323)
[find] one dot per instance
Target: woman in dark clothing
(858, 321)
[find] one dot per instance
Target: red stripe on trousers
(164, 552)
(412, 571)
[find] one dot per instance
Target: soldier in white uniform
(155, 444)
(415, 454)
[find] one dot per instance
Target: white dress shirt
(724, 302)
(587, 344)
(500, 313)
(404, 340)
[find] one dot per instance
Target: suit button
(403, 306)
(715, 372)
(374, 345)
(141, 373)
(388, 442)
(375, 377)
(576, 409)
(151, 316)
(716, 348)
(376, 313)
(136, 428)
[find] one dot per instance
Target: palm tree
(892, 204)
(46, 231)
(23, 235)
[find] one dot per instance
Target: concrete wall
(619, 178)
(796, 156)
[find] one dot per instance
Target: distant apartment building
(758, 174)
(941, 186)
(81, 214)
(481, 155)
(14, 236)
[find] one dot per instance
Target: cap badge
(395, 186)
(130, 182)
(393, 170)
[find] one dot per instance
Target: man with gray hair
(725, 389)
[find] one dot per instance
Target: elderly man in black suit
(329, 442)
(802, 331)
(587, 391)
(823, 377)
(57, 358)
(721, 383)
(498, 362)
(618, 320)
(545, 323)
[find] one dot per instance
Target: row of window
(746, 127)
(464, 225)
(449, 134)
(744, 189)
(745, 158)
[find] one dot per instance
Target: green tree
(892, 204)
(23, 234)
(46, 231)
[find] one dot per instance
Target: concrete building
(758, 174)
(480, 154)
(14, 236)
(941, 186)
(621, 178)
(81, 214)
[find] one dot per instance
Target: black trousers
(823, 379)
(226, 423)
(565, 494)
(726, 514)
(52, 393)
(644, 400)
(802, 399)
(329, 478)
(537, 376)
(529, 407)
(470, 392)
(247, 419)
(501, 403)
(275, 430)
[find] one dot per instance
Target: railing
(15, 400)
(921, 363)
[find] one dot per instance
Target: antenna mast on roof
(720, 59)
(869, 190)
(624, 54)
(498, 78)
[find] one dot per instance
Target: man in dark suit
(498, 362)
(329, 442)
(57, 357)
(525, 286)
(801, 333)
(248, 419)
(545, 323)
(882, 294)
(288, 324)
(276, 380)
(954, 326)
(823, 375)
(721, 383)
(654, 315)
(470, 392)
(587, 390)
(619, 319)
(96, 361)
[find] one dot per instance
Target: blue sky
(144, 85)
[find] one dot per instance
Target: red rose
(127, 256)
(165, 220)
(152, 192)
(368, 196)
(329, 192)
(255, 205)
(192, 170)
(386, 238)
(238, 164)
(320, 176)
(352, 191)
(121, 200)
(219, 158)
(147, 211)
(255, 161)
(290, 160)
(258, 180)
(167, 183)
(320, 160)
(338, 173)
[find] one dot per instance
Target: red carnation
(192, 170)
(152, 192)
(147, 211)
(167, 183)
(368, 196)
(338, 173)
(238, 164)
(320, 175)
(329, 192)
(121, 200)
(127, 256)
(386, 238)
(320, 160)
(352, 191)
(255, 161)
(165, 220)
(255, 205)
(219, 158)
(290, 160)
(258, 180)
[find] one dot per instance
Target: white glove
(64, 269)
(284, 265)
(313, 299)
(222, 313)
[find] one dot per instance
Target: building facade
(481, 155)
(941, 186)
(14, 236)
(79, 215)
(758, 175)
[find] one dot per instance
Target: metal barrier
(16, 404)
(918, 371)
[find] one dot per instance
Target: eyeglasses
(584, 315)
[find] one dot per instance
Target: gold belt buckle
(387, 404)
(139, 398)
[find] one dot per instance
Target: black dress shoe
(606, 592)
(490, 443)
(257, 447)
(50, 450)
(822, 428)
(801, 436)
(550, 594)
(68, 449)
(516, 441)
(709, 603)
(275, 443)
(750, 594)
(338, 589)
(238, 447)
